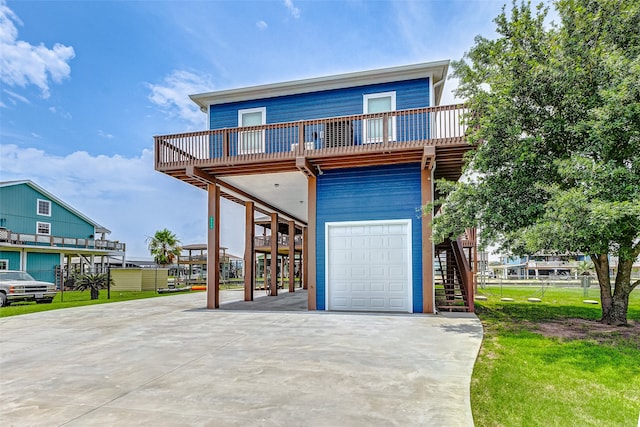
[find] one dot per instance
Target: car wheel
(3, 300)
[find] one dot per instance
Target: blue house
(342, 165)
(41, 234)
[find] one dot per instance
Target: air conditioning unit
(307, 146)
(339, 134)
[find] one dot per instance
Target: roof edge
(436, 69)
(99, 228)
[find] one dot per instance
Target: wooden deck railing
(63, 242)
(442, 124)
(283, 240)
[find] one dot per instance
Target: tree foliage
(555, 111)
(93, 282)
(164, 247)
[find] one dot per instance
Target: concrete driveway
(167, 361)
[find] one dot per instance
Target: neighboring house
(345, 162)
(543, 265)
(45, 236)
(539, 265)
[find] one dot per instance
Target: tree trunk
(614, 307)
(94, 293)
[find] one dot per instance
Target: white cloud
(105, 135)
(124, 194)
(262, 25)
(22, 64)
(172, 95)
(294, 11)
(13, 97)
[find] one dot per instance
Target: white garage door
(368, 266)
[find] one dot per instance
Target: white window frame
(365, 108)
(47, 202)
(4, 264)
(241, 135)
(48, 226)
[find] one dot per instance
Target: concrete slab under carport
(167, 361)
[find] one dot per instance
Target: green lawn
(74, 299)
(538, 366)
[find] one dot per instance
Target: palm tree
(164, 247)
(94, 282)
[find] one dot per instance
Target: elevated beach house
(46, 237)
(341, 165)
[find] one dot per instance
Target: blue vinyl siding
(18, 206)
(42, 266)
(372, 193)
(316, 105)
(13, 258)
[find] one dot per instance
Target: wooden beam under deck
(249, 251)
(213, 245)
(310, 244)
(427, 243)
(274, 255)
(292, 256)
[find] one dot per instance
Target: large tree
(555, 112)
(164, 247)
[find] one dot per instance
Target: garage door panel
(378, 287)
(396, 303)
(369, 266)
(396, 287)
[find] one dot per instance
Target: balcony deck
(339, 142)
(9, 238)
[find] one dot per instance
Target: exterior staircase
(454, 287)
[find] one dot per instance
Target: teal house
(46, 237)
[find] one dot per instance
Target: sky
(85, 85)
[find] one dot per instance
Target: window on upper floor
(44, 207)
(374, 128)
(43, 228)
(251, 141)
(4, 264)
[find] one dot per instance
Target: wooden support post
(427, 243)
(249, 251)
(213, 247)
(311, 245)
(274, 254)
(292, 256)
(305, 252)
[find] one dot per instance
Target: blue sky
(86, 84)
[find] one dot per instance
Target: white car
(20, 286)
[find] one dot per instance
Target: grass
(74, 299)
(538, 366)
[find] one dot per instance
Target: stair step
(453, 308)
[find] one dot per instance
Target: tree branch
(634, 284)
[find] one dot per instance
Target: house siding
(13, 258)
(42, 266)
(18, 208)
(367, 194)
(322, 104)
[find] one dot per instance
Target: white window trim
(262, 110)
(5, 263)
(38, 223)
(365, 109)
(38, 207)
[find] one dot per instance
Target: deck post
(249, 251)
(303, 259)
(427, 243)
(274, 254)
(213, 247)
(310, 244)
(292, 256)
